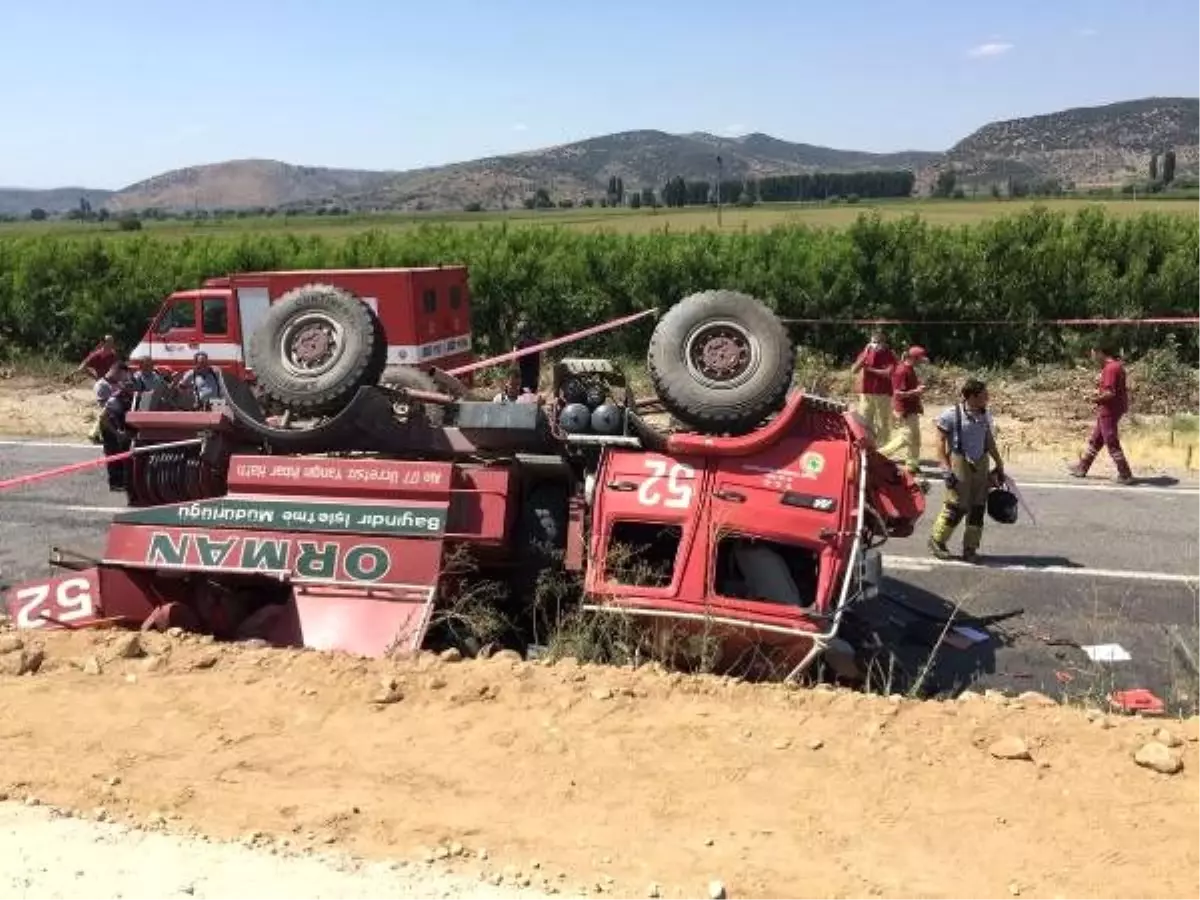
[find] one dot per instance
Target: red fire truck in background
(425, 314)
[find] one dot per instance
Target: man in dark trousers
(531, 364)
(1112, 401)
(112, 431)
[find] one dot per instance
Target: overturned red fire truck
(750, 518)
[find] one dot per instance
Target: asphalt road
(1103, 564)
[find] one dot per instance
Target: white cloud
(1087, 32)
(734, 130)
(989, 50)
(520, 126)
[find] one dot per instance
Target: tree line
(58, 294)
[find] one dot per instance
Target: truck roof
(222, 280)
(394, 270)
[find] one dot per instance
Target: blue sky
(102, 93)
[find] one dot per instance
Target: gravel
(49, 856)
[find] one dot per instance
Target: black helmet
(1002, 506)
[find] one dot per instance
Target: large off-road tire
(315, 347)
(721, 362)
(400, 377)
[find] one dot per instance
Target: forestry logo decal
(812, 464)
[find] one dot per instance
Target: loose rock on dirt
(1159, 757)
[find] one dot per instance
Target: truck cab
(425, 313)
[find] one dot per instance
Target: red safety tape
(91, 463)
(553, 342)
(1166, 320)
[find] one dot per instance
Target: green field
(60, 288)
(629, 221)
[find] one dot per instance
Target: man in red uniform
(905, 445)
(101, 359)
(875, 385)
(1112, 402)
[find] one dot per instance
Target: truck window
(455, 297)
(215, 316)
(429, 301)
(179, 315)
(643, 554)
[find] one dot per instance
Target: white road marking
(97, 509)
(1114, 488)
(922, 564)
(60, 444)
(1083, 485)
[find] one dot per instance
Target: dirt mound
(32, 407)
(580, 778)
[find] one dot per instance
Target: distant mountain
(1101, 145)
(21, 201)
(245, 183)
(1086, 146)
(577, 170)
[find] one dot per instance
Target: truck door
(177, 333)
(457, 321)
(216, 333)
(647, 509)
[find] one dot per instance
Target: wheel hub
(310, 345)
(721, 354)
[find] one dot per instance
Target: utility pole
(718, 192)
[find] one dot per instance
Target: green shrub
(57, 294)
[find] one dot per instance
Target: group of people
(118, 384)
(890, 401)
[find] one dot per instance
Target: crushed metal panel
(369, 623)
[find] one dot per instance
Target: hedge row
(58, 294)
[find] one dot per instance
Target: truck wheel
(315, 347)
(399, 377)
(721, 362)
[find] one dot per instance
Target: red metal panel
(71, 600)
(479, 505)
(311, 557)
(131, 595)
(749, 492)
(331, 477)
(155, 425)
(355, 622)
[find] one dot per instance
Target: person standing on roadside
(907, 391)
(113, 433)
(966, 440)
(874, 367)
(1111, 398)
(103, 389)
(100, 360)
